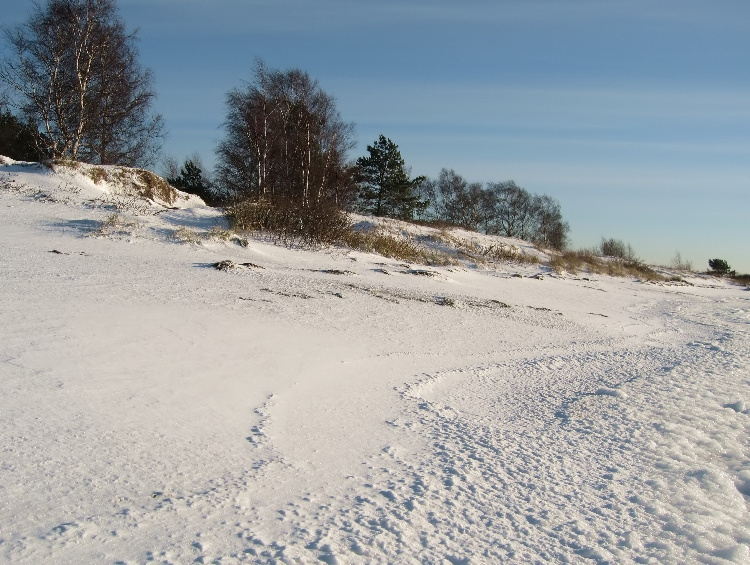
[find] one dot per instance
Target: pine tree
(192, 180)
(385, 188)
(719, 265)
(18, 140)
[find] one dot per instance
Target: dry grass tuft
(126, 203)
(113, 220)
(584, 260)
(498, 252)
(219, 234)
(186, 235)
(471, 249)
(66, 163)
(574, 261)
(125, 181)
(634, 269)
(287, 223)
(393, 247)
(154, 187)
(115, 223)
(96, 174)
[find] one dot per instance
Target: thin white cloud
(708, 112)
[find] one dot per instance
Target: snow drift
(340, 407)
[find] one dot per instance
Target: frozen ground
(339, 407)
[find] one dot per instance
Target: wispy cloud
(593, 110)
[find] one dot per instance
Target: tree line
(81, 94)
(286, 141)
(496, 208)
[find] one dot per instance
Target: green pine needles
(385, 186)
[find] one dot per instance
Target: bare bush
(616, 248)
(681, 264)
(291, 223)
(126, 203)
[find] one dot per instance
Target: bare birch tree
(75, 73)
(284, 140)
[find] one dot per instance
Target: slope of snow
(335, 407)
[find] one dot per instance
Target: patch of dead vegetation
(586, 261)
(394, 247)
(184, 234)
(337, 272)
(126, 181)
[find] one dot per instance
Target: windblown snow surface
(338, 407)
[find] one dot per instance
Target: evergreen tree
(18, 140)
(192, 180)
(719, 265)
(385, 188)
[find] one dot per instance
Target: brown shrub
(574, 261)
(289, 222)
(633, 269)
(393, 247)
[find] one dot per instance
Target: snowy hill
(336, 406)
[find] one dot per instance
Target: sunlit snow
(330, 406)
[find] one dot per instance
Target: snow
(304, 406)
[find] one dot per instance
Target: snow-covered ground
(339, 407)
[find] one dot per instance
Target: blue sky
(634, 114)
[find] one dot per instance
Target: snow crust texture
(331, 406)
